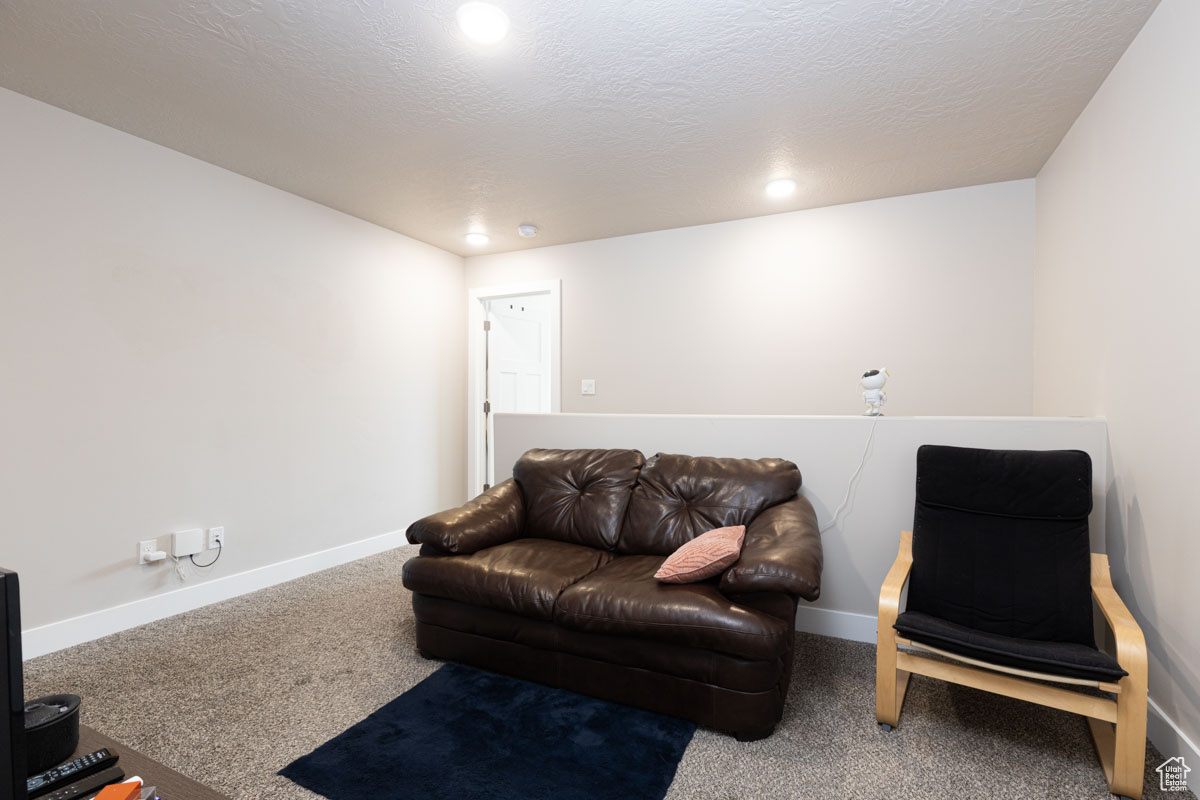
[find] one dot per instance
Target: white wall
(781, 314)
(1118, 278)
(184, 347)
(862, 545)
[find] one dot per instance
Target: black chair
(1001, 581)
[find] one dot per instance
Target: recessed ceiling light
(527, 231)
(477, 239)
(482, 22)
(781, 188)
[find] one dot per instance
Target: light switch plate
(587, 386)
(186, 543)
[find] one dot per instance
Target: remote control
(71, 771)
(89, 785)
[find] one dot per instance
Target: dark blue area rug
(466, 733)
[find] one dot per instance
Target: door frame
(476, 469)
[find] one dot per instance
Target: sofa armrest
(494, 517)
(782, 553)
(777, 604)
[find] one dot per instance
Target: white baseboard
(76, 630)
(838, 624)
(1167, 737)
(1160, 728)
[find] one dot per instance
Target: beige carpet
(231, 693)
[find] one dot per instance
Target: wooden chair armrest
(893, 584)
(1131, 643)
(891, 683)
(1126, 741)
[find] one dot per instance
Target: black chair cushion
(1055, 658)
(1029, 484)
(1001, 545)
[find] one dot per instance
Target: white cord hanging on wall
(853, 477)
(872, 383)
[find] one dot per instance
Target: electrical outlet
(148, 551)
(216, 538)
(587, 386)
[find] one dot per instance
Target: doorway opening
(513, 335)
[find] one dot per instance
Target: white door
(518, 358)
(518, 354)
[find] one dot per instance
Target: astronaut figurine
(873, 395)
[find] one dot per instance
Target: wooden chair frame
(1118, 725)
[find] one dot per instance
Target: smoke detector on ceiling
(527, 231)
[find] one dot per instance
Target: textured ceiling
(593, 118)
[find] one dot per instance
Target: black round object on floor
(51, 730)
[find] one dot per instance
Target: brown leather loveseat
(549, 576)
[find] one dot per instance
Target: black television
(12, 727)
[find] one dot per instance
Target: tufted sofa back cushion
(677, 498)
(577, 496)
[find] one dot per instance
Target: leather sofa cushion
(1055, 658)
(577, 496)
(622, 598)
(680, 497)
(706, 666)
(523, 577)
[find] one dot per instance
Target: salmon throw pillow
(707, 555)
